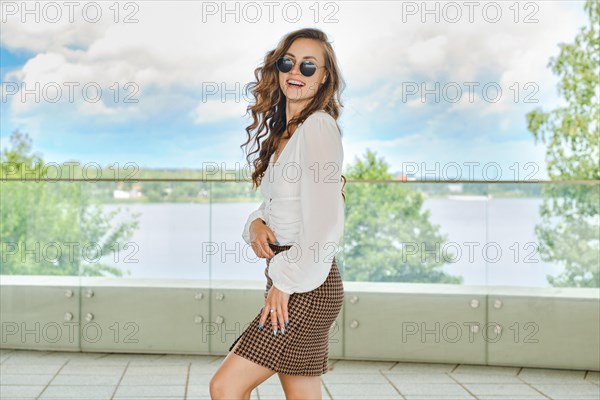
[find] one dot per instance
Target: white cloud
(428, 55)
(216, 110)
(171, 47)
(516, 158)
(171, 52)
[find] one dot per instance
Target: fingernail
(261, 309)
(274, 332)
(276, 242)
(259, 325)
(282, 330)
(286, 323)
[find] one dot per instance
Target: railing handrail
(531, 181)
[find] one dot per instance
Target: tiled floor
(64, 375)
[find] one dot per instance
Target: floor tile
(160, 392)
(501, 389)
(25, 379)
(20, 391)
(200, 378)
(62, 392)
(396, 378)
(563, 390)
(73, 356)
(593, 376)
(431, 389)
(130, 357)
(485, 378)
(420, 368)
(27, 374)
(181, 359)
(77, 380)
(50, 369)
(486, 369)
(270, 391)
(443, 397)
(198, 391)
(364, 390)
(354, 366)
(98, 362)
(152, 380)
(516, 397)
(539, 375)
(331, 377)
(75, 369)
(157, 370)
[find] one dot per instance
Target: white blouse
(303, 205)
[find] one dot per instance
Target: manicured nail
(259, 325)
(275, 332)
(276, 242)
(282, 330)
(286, 323)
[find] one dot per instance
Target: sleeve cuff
(251, 218)
(277, 264)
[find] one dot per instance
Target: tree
(381, 220)
(569, 233)
(51, 227)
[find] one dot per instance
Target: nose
(296, 69)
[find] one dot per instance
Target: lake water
(176, 241)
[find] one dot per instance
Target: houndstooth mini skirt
(304, 347)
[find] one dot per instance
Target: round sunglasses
(307, 68)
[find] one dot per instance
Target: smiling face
(303, 49)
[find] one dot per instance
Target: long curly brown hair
(268, 110)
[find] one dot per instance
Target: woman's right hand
(260, 235)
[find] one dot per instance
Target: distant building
(455, 187)
(401, 177)
(134, 193)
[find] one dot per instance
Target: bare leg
(237, 377)
(301, 387)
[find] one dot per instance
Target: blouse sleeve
(306, 265)
(258, 213)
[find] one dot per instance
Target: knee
(220, 389)
(217, 388)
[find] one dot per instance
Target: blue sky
(174, 50)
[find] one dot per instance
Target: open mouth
(295, 83)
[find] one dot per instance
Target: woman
(298, 226)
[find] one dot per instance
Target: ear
(324, 79)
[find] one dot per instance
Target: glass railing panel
(40, 260)
(518, 234)
(146, 229)
(548, 234)
(41, 228)
(231, 257)
(413, 232)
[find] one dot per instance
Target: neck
(294, 108)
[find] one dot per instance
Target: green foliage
(569, 232)
(572, 131)
(381, 221)
(50, 227)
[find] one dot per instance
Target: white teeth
(297, 83)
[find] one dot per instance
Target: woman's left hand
(278, 301)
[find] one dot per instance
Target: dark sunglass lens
(308, 68)
(284, 64)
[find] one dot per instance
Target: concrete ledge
(495, 325)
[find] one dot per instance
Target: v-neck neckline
(273, 162)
